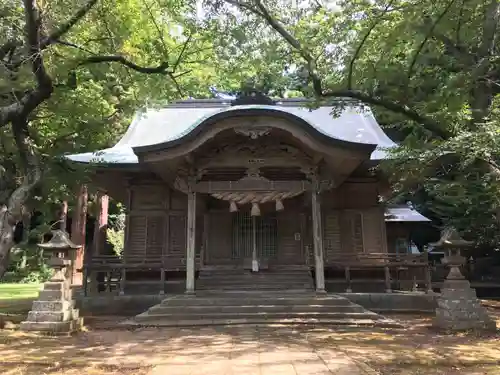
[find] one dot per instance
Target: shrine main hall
(251, 194)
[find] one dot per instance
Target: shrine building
(252, 186)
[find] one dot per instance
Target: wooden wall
(156, 223)
(353, 222)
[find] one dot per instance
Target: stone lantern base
(459, 309)
(53, 312)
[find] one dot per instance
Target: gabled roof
(176, 121)
(404, 214)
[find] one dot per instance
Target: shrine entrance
(254, 237)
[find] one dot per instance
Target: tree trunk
(7, 226)
(12, 212)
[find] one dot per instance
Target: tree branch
(411, 114)
(179, 58)
(163, 68)
(395, 107)
(69, 44)
(426, 38)
(65, 27)
(363, 41)
(490, 26)
(44, 88)
(44, 82)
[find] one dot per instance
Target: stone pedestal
(459, 309)
(54, 311)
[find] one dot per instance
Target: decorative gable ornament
(252, 97)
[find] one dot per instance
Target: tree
(429, 68)
(71, 74)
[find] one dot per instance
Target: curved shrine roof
(169, 125)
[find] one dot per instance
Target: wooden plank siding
(332, 235)
(219, 238)
(289, 248)
(157, 224)
(353, 223)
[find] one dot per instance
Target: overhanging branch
(163, 68)
(393, 106)
(363, 41)
(65, 27)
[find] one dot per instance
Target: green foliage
(430, 71)
(116, 231)
(27, 266)
(116, 237)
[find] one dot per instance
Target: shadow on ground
(107, 349)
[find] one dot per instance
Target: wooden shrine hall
(218, 189)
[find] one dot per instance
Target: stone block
(55, 328)
(51, 295)
(459, 309)
(52, 316)
(51, 305)
(53, 311)
(51, 285)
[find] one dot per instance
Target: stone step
(251, 280)
(250, 283)
(383, 323)
(248, 300)
(188, 315)
(254, 308)
(254, 292)
(250, 277)
(253, 274)
(256, 277)
(245, 288)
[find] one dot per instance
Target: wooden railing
(114, 269)
(392, 264)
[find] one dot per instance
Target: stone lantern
(53, 312)
(458, 307)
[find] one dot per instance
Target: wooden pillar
(255, 262)
(63, 216)
(78, 231)
(101, 223)
(204, 249)
(317, 238)
(348, 288)
(387, 273)
(190, 239)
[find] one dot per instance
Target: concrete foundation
(128, 305)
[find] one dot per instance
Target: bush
(27, 265)
(116, 237)
(116, 232)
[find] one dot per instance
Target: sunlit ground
(104, 348)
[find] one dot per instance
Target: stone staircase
(257, 307)
(269, 297)
(298, 280)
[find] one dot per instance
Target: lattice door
(265, 236)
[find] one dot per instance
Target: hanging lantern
(233, 207)
(279, 205)
(255, 209)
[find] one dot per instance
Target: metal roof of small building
(404, 214)
(157, 126)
